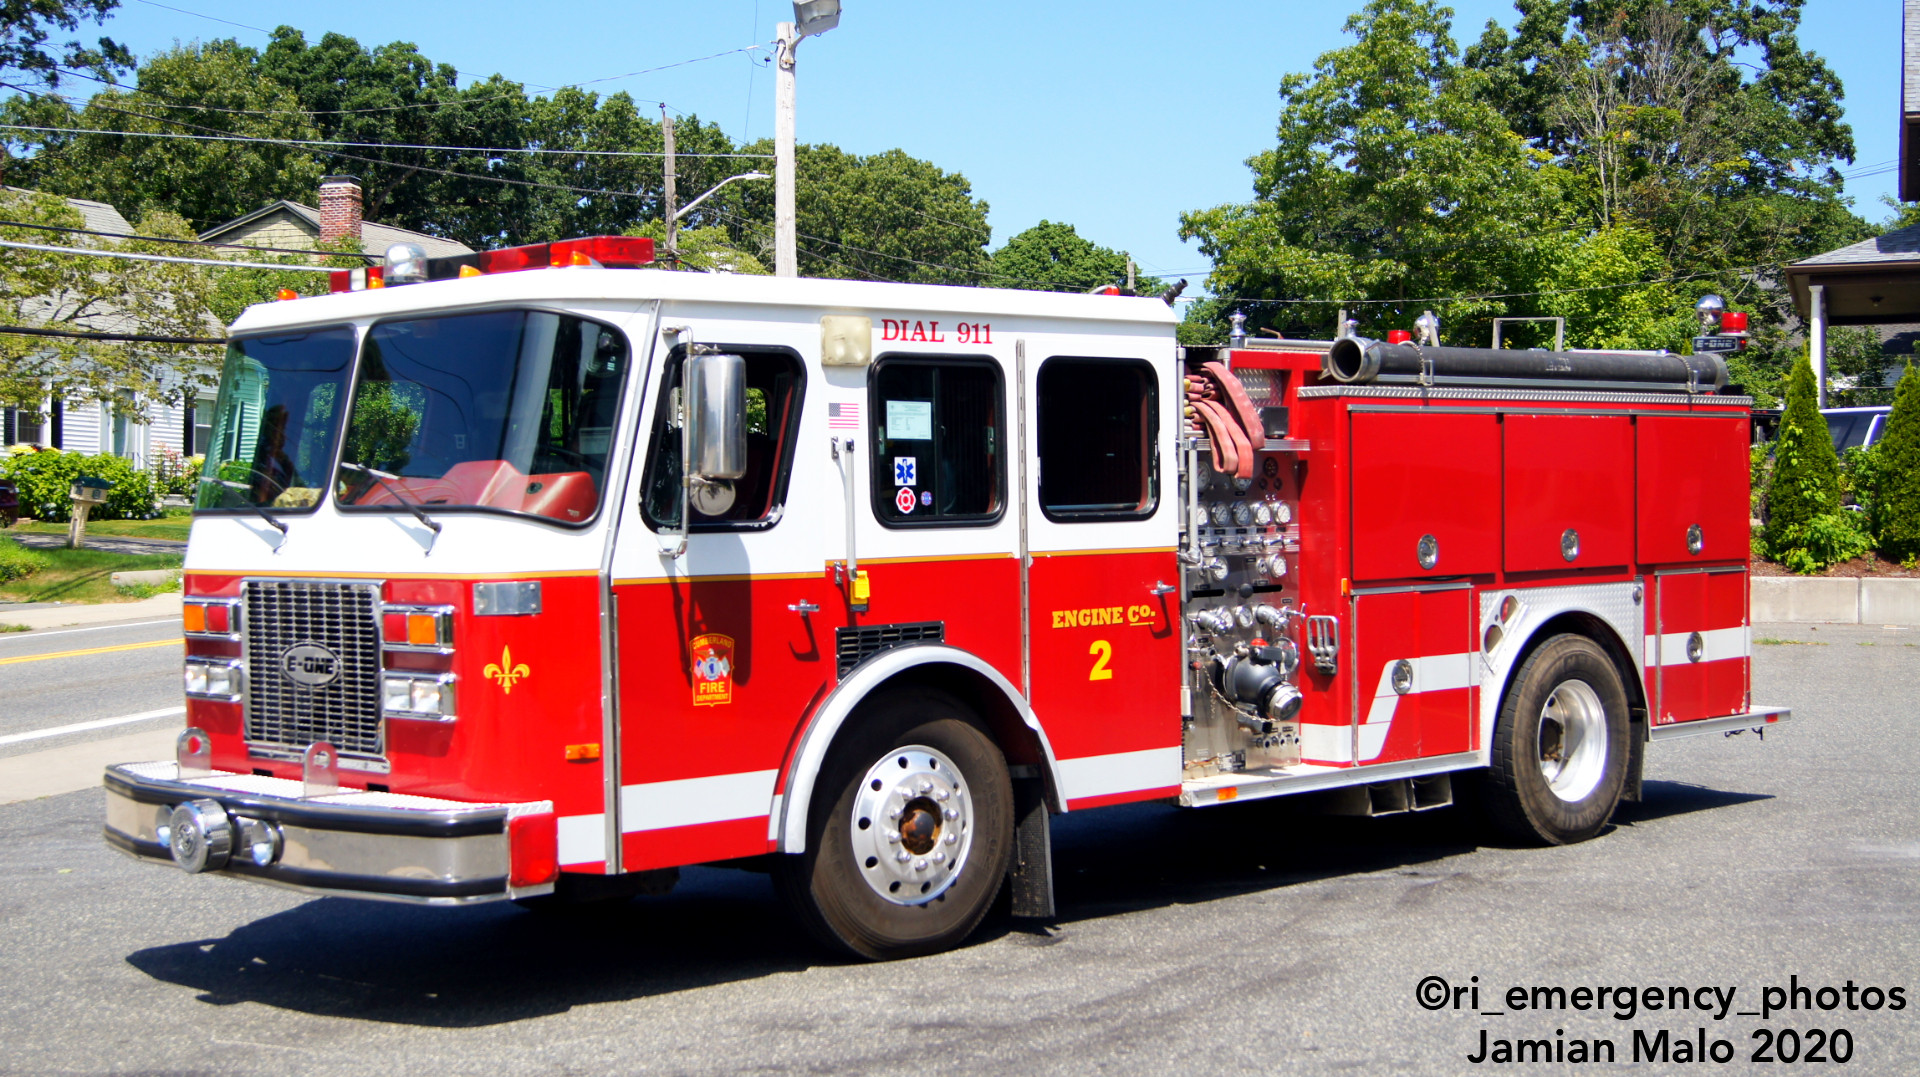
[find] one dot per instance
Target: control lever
(1323, 642)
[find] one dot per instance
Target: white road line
(97, 628)
(98, 723)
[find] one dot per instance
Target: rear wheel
(909, 831)
(1560, 749)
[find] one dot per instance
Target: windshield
(276, 420)
(509, 411)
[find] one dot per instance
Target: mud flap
(1030, 876)
(1636, 756)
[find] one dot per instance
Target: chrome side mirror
(715, 430)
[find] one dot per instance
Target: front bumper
(359, 844)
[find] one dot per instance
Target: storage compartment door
(1703, 646)
(1422, 474)
(1692, 474)
(1569, 492)
(1414, 660)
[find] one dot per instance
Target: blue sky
(1114, 117)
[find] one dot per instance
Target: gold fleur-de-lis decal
(506, 672)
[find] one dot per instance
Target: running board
(1413, 776)
(1758, 719)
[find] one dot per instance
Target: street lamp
(809, 17)
(673, 221)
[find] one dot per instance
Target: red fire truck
(537, 574)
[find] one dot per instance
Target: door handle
(1160, 588)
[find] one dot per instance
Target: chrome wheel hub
(1573, 740)
(912, 825)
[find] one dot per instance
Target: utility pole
(809, 17)
(1130, 274)
(672, 194)
(786, 260)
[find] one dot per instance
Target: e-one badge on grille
(310, 664)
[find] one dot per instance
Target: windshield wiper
(229, 484)
(382, 478)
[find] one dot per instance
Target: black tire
(829, 886)
(1549, 781)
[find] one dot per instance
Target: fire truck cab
(525, 585)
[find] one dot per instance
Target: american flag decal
(843, 416)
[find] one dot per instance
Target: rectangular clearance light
(356, 280)
(423, 696)
(210, 618)
(417, 628)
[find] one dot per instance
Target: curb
(152, 609)
(1830, 600)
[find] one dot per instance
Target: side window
(938, 441)
(775, 383)
(1097, 420)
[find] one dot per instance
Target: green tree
(1393, 182)
(393, 94)
(703, 250)
(888, 216)
(1704, 124)
(90, 294)
(26, 55)
(1054, 257)
(1805, 487)
(1897, 495)
(214, 89)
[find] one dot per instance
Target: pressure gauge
(1282, 513)
(1217, 568)
(1222, 513)
(1263, 514)
(1276, 566)
(1243, 514)
(1243, 485)
(1244, 616)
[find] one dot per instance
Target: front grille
(853, 646)
(283, 614)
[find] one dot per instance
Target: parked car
(1856, 427)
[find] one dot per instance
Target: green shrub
(17, 562)
(1806, 473)
(1822, 541)
(1896, 477)
(46, 480)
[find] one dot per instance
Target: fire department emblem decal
(712, 669)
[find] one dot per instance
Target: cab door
(722, 646)
(1101, 530)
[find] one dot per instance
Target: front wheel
(909, 832)
(1560, 749)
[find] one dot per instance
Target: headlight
(218, 678)
(424, 696)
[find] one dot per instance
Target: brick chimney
(339, 208)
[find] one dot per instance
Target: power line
(1499, 295)
(136, 338)
(131, 256)
(458, 101)
(490, 150)
(187, 242)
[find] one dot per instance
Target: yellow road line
(89, 650)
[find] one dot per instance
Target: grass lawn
(166, 527)
(82, 576)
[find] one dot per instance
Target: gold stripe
(398, 576)
(629, 581)
(935, 560)
(89, 650)
(636, 580)
(1091, 553)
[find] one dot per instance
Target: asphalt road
(1253, 938)
(60, 677)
